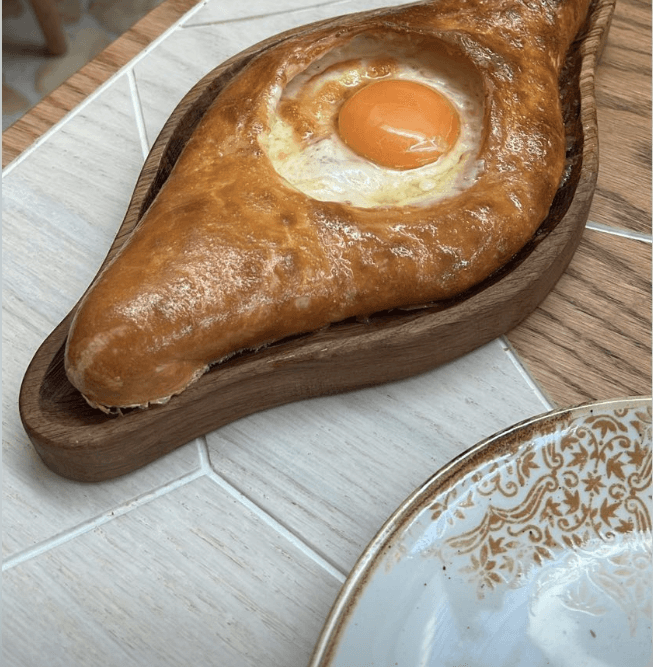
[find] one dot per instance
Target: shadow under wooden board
(82, 443)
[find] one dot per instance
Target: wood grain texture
(81, 443)
(591, 337)
(51, 109)
(623, 95)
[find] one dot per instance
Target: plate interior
(534, 548)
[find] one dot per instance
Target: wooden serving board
(82, 443)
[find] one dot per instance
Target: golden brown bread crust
(230, 257)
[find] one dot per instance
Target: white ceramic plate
(532, 549)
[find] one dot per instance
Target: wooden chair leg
(49, 19)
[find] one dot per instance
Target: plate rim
(489, 449)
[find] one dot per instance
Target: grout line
(138, 113)
(203, 452)
(207, 469)
(276, 525)
(625, 233)
(237, 19)
(87, 526)
(101, 89)
(512, 355)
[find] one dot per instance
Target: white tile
(233, 10)
(210, 37)
(62, 206)
(38, 505)
(334, 468)
(185, 57)
(64, 203)
(191, 578)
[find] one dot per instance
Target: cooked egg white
(305, 145)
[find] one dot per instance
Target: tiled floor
(230, 550)
(29, 73)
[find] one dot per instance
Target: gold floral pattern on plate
(534, 547)
(577, 481)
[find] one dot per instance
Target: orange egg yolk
(399, 124)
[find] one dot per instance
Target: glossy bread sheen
(229, 257)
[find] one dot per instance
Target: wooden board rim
(344, 357)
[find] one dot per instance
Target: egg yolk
(399, 124)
